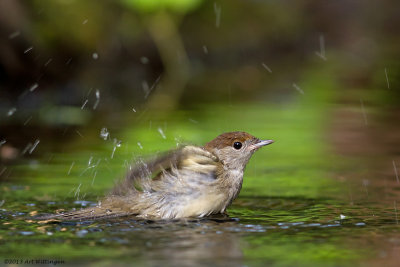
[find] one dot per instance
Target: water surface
(305, 200)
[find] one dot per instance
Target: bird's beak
(260, 144)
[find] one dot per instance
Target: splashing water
(14, 34)
(28, 49)
(298, 88)
(70, 168)
(33, 87)
(205, 49)
(117, 143)
(37, 141)
(321, 52)
(162, 133)
(48, 62)
(84, 104)
(266, 67)
(11, 112)
(97, 99)
(217, 11)
(104, 134)
(387, 79)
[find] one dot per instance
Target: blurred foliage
(180, 6)
(225, 47)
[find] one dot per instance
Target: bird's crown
(228, 139)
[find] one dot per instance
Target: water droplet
(117, 142)
(90, 160)
(205, 49)
(217, 10)
(11, 112)
(79, 133)
(104, 133)
(37, 141)
(97, 99)
(162, 133)
(14, 34)
(48, 62)
(33, 87)
(298, 88)
(266, 67)
(144, 60)
(70, 168)
(84, 104)
(28, 49)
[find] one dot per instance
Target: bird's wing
(146, 177)
(140, 178)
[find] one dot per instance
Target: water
(304, 202)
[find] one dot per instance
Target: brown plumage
(188, 182)
(227, 139)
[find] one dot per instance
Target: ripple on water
(25, 233)
(82, 233)
(85, 203)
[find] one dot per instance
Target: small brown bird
(189, 182)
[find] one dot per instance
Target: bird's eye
(237, 145)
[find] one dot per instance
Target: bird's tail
(88, 214)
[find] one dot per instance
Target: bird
(188, 182)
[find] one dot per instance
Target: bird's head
(234, 149)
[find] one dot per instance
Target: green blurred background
(165, 55)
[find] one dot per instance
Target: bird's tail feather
(87, 214)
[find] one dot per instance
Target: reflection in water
(201, 243)
(183, 242)
(372, 176)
